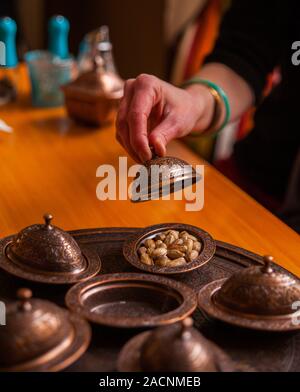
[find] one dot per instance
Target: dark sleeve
(249, 40)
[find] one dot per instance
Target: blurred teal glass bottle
(58, 32)
(8, 60)
(51, 69)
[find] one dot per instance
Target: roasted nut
(150, 244)
(183, 234)
(197, 246)
(184, 237)
(161, 236)
(156, 253)
(179, 241)
(174, 254)
(160, 244)
(174, 233)
(189, 243)
(162, 261)
(142, 250)
(146, 259)
(177, 262)
(191, 256)
(170, 248)
(180, 248)
(169, 239)
(192, 237)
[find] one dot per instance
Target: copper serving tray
(253, 350)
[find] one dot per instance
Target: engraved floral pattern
(48, 248)
(255, 292)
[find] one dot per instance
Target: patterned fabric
(197, 42)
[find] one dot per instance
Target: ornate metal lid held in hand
(165, 175)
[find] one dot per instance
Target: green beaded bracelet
(221, 93)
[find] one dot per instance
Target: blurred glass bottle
(8, 61)
(58, 33)
(94, 96)
(94, 44)
(58, 45)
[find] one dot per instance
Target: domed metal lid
(39, 335)
(48, 248)
(45, 253)
(165, 175)
(259, 298)
(259, 291)
(178, 347)
(175, 348)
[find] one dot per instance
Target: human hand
(153, 112)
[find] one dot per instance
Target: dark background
(136, 28)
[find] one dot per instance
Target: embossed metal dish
(165, 175)
(41, 336)
(131, 246)
(46, 254)
(173, 348)
(259, 298)
(130, 300)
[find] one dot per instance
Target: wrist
(222, 112)
(203, 106)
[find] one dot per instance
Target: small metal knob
(186, 324)
(48, 218)
(24, 295)
(267, 268)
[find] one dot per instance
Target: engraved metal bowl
(130, 300)
(174, 348)
(131, 246)
(164, 176)
(259, 298)
(40, 336)
(44, 253)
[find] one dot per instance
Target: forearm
(238, 91)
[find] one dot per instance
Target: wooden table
(49, 164)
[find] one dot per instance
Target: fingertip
(158, 145)
(145, 155)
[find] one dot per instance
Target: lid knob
(267, 268)
(48, 218)
(24, 295)
(185, 325)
